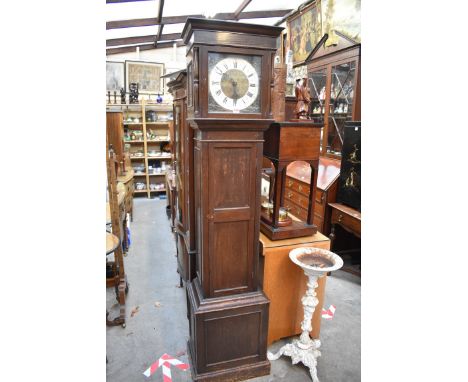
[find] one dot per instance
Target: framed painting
(342, 16)
(147, 75)
(115, 76)
(305, 31)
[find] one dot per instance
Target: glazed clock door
(231, 217)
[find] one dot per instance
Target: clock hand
(234, 89)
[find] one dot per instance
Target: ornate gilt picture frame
(305, 31)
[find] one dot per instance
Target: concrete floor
(152, 331)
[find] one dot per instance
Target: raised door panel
(224, 344)
(231, 216)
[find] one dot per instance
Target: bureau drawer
(319, 208)
(297, 198)
(320, 196)
(297, 186)
(318, 221)
(347, 221)
(296, 210)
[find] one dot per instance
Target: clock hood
(194, 26)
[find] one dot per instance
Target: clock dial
(234, 84)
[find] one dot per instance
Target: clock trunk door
(231, 217)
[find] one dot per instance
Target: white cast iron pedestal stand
(305, 349)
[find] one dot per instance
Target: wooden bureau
(297, 190)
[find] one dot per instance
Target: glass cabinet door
(317, 84)
(340, 104)
(317, 88)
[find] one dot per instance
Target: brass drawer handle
(290, 183)
(300, 188)
(290, 195)
(340, 218)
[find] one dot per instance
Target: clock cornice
(194, 24)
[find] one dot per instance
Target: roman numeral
(218, 70)
(214, 82)
(226, 66)
(243, 100)
(218, 92)
(225, 100)
(243, 69)
(252, 85)
(234, 101)
(235, 64)
(250, 75)
(249, 94)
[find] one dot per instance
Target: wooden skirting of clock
(229, 88)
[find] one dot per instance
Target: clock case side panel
(264, 83)
(193, 80)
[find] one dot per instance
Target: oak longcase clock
(230, 85)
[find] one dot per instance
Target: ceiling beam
(160, 11)
(241, 8)
(158, 36)
(181, 19)
(123, 1)
(141, 39)
(127, 49)
(158, 20)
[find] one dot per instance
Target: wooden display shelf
(122, 104)
(160, 157)
(161, 190)
(142, 143)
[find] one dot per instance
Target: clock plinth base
(296, 229)
(227, 335)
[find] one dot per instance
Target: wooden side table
(285, 283)
(350, 220)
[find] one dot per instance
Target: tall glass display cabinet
(334, 85)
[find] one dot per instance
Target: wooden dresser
(297, 190)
